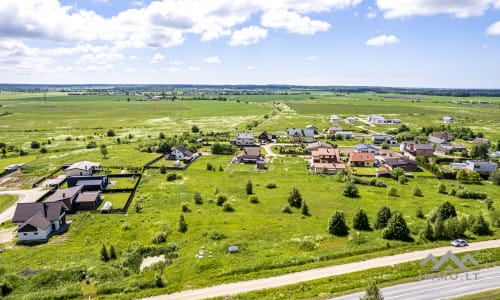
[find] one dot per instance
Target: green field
(271, 242)
(6, 201)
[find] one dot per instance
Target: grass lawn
(122, 182)
(117, 199)
(6, 201)
(366, 171)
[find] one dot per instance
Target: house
(313, 128)
(350, 120)
(244, 139)
(37, 221)
(82, 168)
(440, 137)
(448, 149)
(365, 148)
(401, 162)
(54, 182)
(458, 166)
(384, 138)
(316, 145)
(334, 130)
(483, 166)
(325, 155)
(334, 119)
(448, 119)
(377, 119)
(328, 168)
(415, 149)
(481, 141)
(495, 154)
(181, 153)
(361, 159)
(345, 134)
(67, 196)
(249, 155)
(297, 135)
(88, 201)
(261, 164)
(89, 183)
(265, 138)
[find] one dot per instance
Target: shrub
(480, 226)
(397, 228)
(455, 228)
(393, 192)
(428, 232)
(286, 209)
(495, 177)
(350, 190)
(305, 209)
(446, 210)
(91, 145)
(163, 169)
(468, 194)
(159, 237)
(295, 198)
(35, 145)
(228, 207)
(271, 185)
(185, 208)
(217, 236)
(397, 172)
(104, 253)
(442, 188)
(218, 148)
(489, 203)
(419, 213)
(195, 129)
(402, 179)
(337, 225)
(360, 221)
(383, 216)
(249, 187)
(5, 288)
(440, 232)
(197, 198)
(372, 292)
(417, 191)
(173, 176)
(209, 167)
(110, 133)
(183, 227)
(43, 150)
(253, 199)
(221, 199)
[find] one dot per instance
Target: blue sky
(414, 43)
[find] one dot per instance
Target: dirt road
(292, 278)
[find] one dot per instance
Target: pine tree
(454, 228)
(183, 227)
(428, 231)
(336, 224)
(305, 209)
(480, 226)
(419, 213)
(112, 253)
(383, 216)
(249, 187)
(397, 228)
(372, 292)
(360, 221)
(446, 210)
(197, 198)
(295, 198)
(440, 229)
(104, 253)
(442, 188)
(417, 191)
(350, 190)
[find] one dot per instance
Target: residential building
(67, 196)
(181, 153)
(481, 166)
(361, 159)
(82, 168)
(249, 155)
(89, 183)
(411, 148)
(448, 149)
(37, 221)
(365, 148)
(88, 201)
(265, 138)
(316, 145)
(384, 138)
(313, 128)
(350, 120)
(440, 137)
(334, 130)
(448, 119)
(345, 134)
(325, 155)
(244, 139)
(481, 141)
(401, 162)
(298, 135)
(328, 168)
(334, 119)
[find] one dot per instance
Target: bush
(446, 210)
(393, 192)
(383, 216)
(185, 208)
(350, 190)
(197, 198)
(104, 253)
(337, 225)
(286, 209)
(417, 191)
(209, 167)
(249, 187)
(159, 237)
(183, 227)
(221, 199)
(271, 185)
(110, 133)
(91, 145)
(402, 179)
(226, 149)
(35, 145)
(480, 226)
(397, 172)
(253, 199)
(5, 288)
(360, 221)
(163, 169)
(442, 188)
(397, 228)
(495, 177)
(112, 252)
(440, 232)
(228, 207)
(305, 209)
(468, 194)
(295, 198)
(419, 213)
(173, 176)
(43, 150)
(217, 236)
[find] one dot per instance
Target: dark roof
(64, 193)
(87, 197)
(37, 220)
(88, 182)
(50, 210)
(399, 161)
(253, 151)
(183, 150)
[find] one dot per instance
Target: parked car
(459, 243)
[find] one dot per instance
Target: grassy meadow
(271, 242)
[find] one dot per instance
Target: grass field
(6, 201)
(271, 242)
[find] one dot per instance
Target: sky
(400, 43)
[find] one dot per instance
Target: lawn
(117, 199)
(122, 182)
(6, 201)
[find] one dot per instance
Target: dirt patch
(151, 260)
(7, 235)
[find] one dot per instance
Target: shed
(233, 249)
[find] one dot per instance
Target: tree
(163, 169)
(474, 177)
(197, 198)
(440, 232)
(419, 213)
(305, 209)
(112, 253)
(104, 150)
(494, 176)
(161, 136)
(350, 190)
(446, 210)
(428, 232)
(110, 133)
(104, 253)
(385, 146)
(35, 145)
(455, 228)
(479, 151)
(396, 172)
(4, 152)
(402, 179)
(249, 187)
(295, 198)
(372, 292)
(417, 191)
(480, 226)
(397, 228)
(195, 129)
(392, 191)
(442, 188)
(383, 216)
(462, 176)
(360, 221)
(183, 227)
(336, 224)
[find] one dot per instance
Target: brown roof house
(361, 159)
(39, 220)
(481, 141)
(328, 168)
(249, 155)
(68, 196)
(327, 161)
(87, 201)
(316, 145)
(401, 162)
(416, 149)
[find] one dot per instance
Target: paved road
(463, 284)
(270, 153)
(292, 278)
(24, 196)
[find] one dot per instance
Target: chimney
(64, 195)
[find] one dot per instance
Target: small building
(89, 183)
(480, 166)
(325, 155)
(458, 166)
(334, 119)
(361, 159)
(67, 196)
(345, 134)
(316, 145)
(350, 120)
(440, 137)
(37, 221)
(244, 139)
(377, 119)
(54, 182)
(249, 155)
(365, 148)
(495, 154)
(334, 130)
(88, 201)
(261, 164)
(313, 128)
(82, 168)
(478, 141)
(411, 148)
(265, 138)
(328, 168)
(384, 138)
(448, 149)
(181, 153)
(401, 162)
(298, 135)
(448, 120)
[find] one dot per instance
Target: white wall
(31, 236)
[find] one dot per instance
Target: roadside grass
(7, 201)
(488, 295)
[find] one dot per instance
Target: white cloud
(251, 68)
(176, 62)
(311, 57)
(248, 36)
(194, 69)
(494, 29)
(460, 9)
(293, 22)
(371, 15)
(137, 3)
(133, 57)
(212, 60)
(157, 57)
(382, 40)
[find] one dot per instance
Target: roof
(183, 150)
(319, 144)
(442, 134)
(37, 220)
(361, 156)
(365, 146)
(325, 151)
(65, 193)
(87, 197)
(329, 166)
(424, 147)
(253, 151)
(50, 210)
(83, 165)
(244, 135)
(300, 132)
(89, 182)
(399, 161)
(481, 141)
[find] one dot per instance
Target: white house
(345, 134)
(244, 139)
(365, 148)
(377, 119)
(39, 220)
(448, 119)
(381, 138)
(180, 153)
(481, 166)
(334, 119)
(350, 120)
(82, 168)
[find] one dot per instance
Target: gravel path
(292, 278)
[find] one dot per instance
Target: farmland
(271, 242)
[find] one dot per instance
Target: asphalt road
(463, 284)
(292, 278)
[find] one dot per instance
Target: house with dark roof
(411, 148)
(365, 148)
(440, 137)
(89, 183)
(361, 159)
(67, 196)
(88, 201)
(316, 145)
(39, 220)
(383, 138)
(265, 138)
(448, 149)
(401, 162)
(249, 155)
(298, 135)
(180, 153)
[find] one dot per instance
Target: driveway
(297, 277)
(25, 196)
